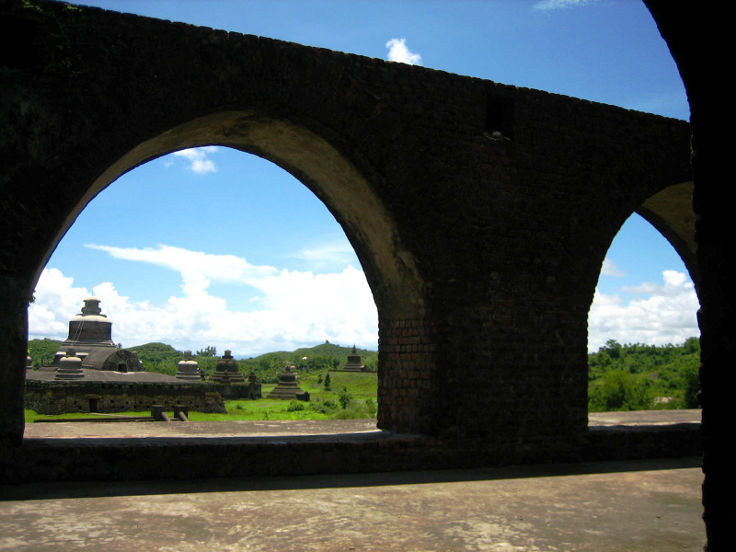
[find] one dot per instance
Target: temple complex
(354, 363)
(91, 374)
(90, 339)
(287, 388)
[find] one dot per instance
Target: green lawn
(324, 405)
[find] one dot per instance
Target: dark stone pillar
(13, 351)
(699, 38)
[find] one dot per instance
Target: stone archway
(390, 270)
(671, 212)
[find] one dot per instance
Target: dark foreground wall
(701, 42)
(481, 213)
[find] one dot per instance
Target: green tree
(327, 382)
(620, 390)
(344, 398)
(209, 351)
(691, 385)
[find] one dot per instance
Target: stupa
(188, 369)
(354, 363)
(70, 367)
(287, 388)
(227, 371)
(90, 339)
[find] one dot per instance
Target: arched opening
(643, 347)
(336, 183)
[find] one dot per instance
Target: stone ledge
(110, 459)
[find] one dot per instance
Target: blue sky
(227, 249)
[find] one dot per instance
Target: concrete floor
(614, 506)
(646, 505)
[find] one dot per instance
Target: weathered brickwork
(406, 369)
(480, 212)
(58, 398)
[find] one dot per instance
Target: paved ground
(198, 429)
(298, 427)
(651, 505)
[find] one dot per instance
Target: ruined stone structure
(354, 364)
(287, 388)
(482, 253)
(188, 369)
(226, 371)
(114, 395)
(69, 367)
(90, 339)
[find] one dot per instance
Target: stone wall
(480, 212)
(63, 397)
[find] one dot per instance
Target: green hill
(158, 357)
(163, 358)
(42, 351)
(326, 356)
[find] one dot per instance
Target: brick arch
(389, 268)
(671, 212)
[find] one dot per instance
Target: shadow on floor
(36, 491)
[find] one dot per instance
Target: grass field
(324, 404)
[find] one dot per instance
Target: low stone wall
(237, 390)
(151, 458)
(61, 397)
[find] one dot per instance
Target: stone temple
(90, 339)
(354, 363)
(287, 388)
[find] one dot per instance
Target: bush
(295, 406)
(325, 407)
(345, 398)
(355, 410)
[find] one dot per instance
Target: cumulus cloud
(398, 51)
(658, 314)
(610, 268)
(560, 4)
(292, 308)
(197, 158)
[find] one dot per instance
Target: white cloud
(197, 158)
(297, 308)
(560, 4)
(328, 254)
(293, 308)
(197, 268)
(661, 314)
(398, 51)
(610, 268)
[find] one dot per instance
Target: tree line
(640, 377)
(630, 376)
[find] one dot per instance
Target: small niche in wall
(499, 124)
